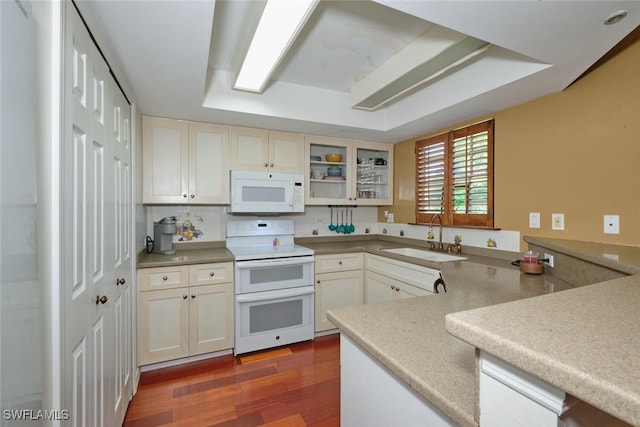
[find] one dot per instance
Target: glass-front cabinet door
(328, 175)
(373, 174)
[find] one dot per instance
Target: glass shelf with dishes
(342, 171)
(328, 170)
(373, 173)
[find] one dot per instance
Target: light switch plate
(534, 219)
(557, 221)
(612, 224)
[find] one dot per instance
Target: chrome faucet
(440, 245)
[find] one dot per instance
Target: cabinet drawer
(163, 278)
(210, 274)
(416, 275)
(340, 262)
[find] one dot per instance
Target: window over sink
(454, 177)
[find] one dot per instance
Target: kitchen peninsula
(410, 338)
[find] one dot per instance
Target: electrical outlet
(557, 221)
(534, 219)
(612, 224)
(550, 260)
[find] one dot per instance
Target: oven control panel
(260, 227)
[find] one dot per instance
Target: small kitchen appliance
(163, 232)
(254, 192)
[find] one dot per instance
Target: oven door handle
(274, 262)
(277, 294)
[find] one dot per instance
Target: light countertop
(584, 341)
(409, 338)
(190, 253)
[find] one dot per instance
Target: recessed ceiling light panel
(279, 25)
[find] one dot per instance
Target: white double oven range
(273, 282)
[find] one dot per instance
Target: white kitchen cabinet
(379, 288)
(185, 162)
(263, 150)
(388, 279)
(373, 178)
(339, 283)
(366, 172)
(184, 311)
(510, 397)
(370, 395)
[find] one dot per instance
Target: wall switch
(612, 224)
(534, 219)
(557, 221)
(390, 217)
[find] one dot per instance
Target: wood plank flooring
(292, 386)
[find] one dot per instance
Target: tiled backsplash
(208, 224)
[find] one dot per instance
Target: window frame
(449, 218)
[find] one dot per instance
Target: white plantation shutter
(454, 176)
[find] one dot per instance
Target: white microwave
(265, 192)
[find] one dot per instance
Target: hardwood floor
(292, 386)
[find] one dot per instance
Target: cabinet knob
(266, 164)
(193, 295)
(212, 274)
(101, 299)
(193, 196)
(120, 281)
(271, 165)
(184, 296)
(184, 195)
(339, 262)
(318, 282)
(165, 278)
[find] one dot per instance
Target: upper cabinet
(184, 162)
(262, 150)
(360, 174)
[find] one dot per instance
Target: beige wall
(576, 152)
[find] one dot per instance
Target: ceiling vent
(435, 53)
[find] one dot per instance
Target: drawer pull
(339, 262)
(212, 274)
(165, 278)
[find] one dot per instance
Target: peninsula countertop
(409, 338)
(584, 341)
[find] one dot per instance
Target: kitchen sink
(426, 255)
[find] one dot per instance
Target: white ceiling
(179, 59)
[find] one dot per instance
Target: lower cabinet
(339, 283)
(184, 311)
(510, 397)
(379, 288)
(388, 279)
